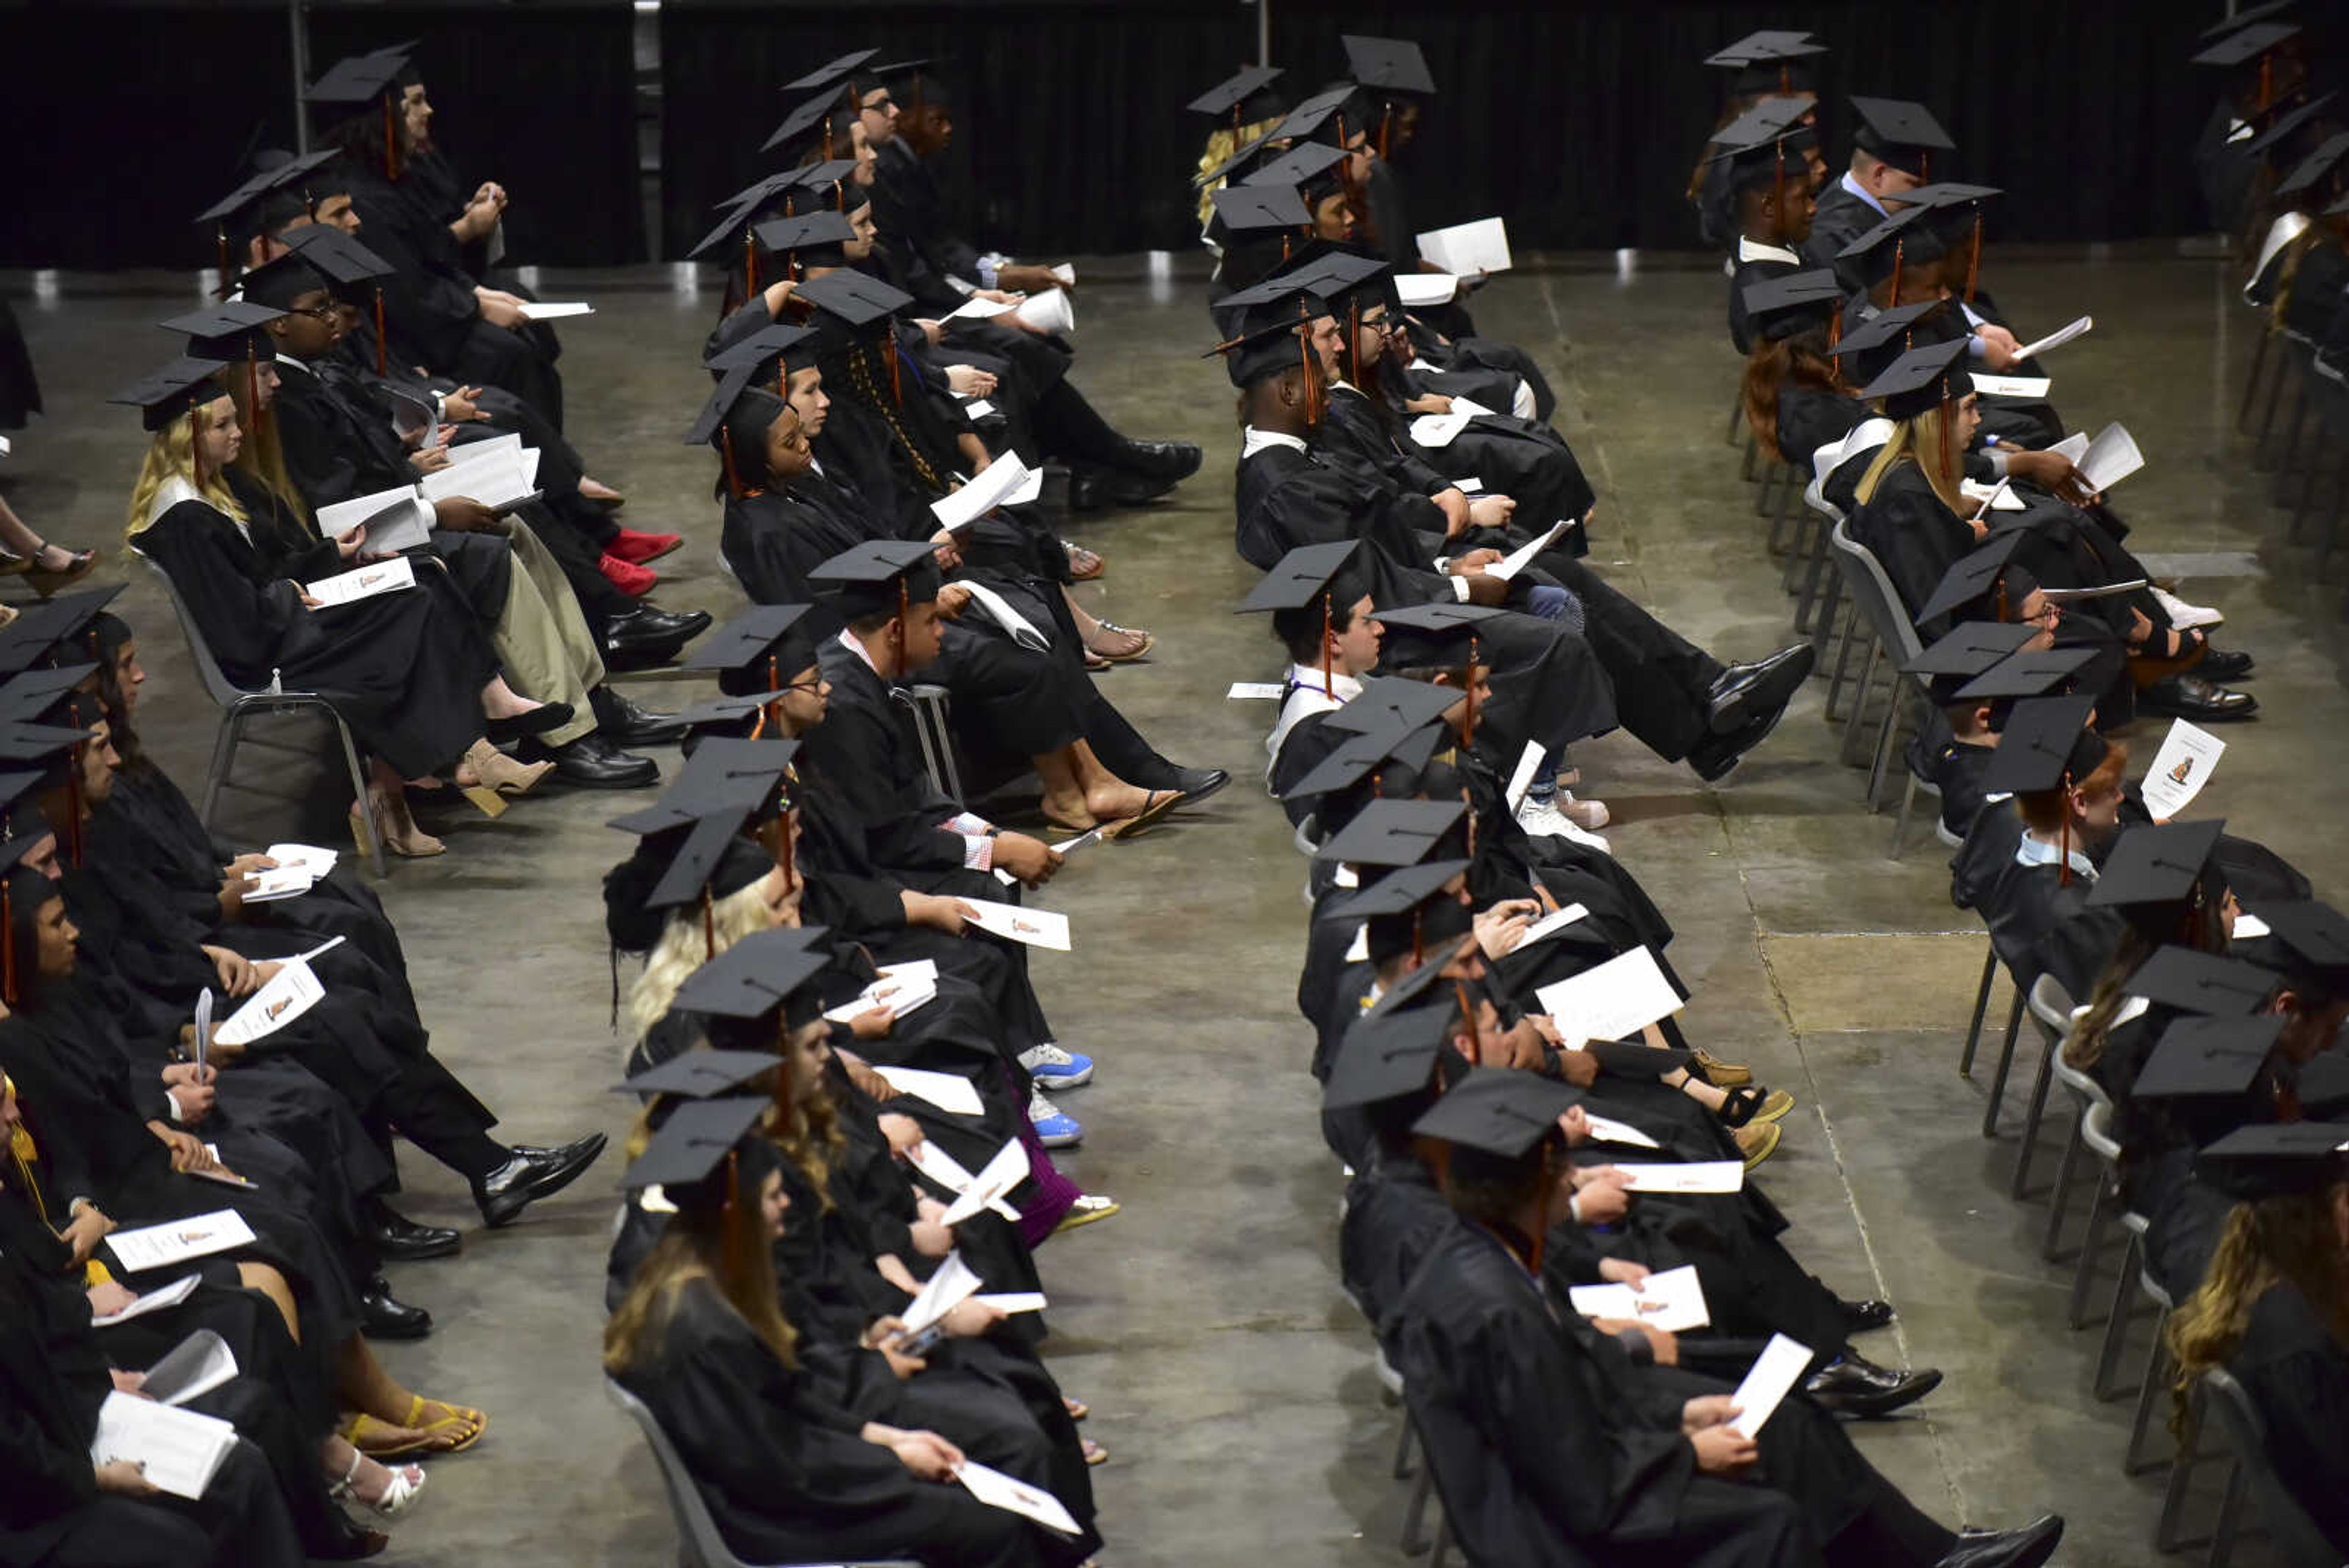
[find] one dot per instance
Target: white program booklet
(161, 1246)
(1466, 249)
(1772, 1377)
(2180, 769)
(1696, 1175)
(975, 308)
(1036, 928)
(2112, 457)
(1065, 273)
(348, 587)
(1009, 1302)
(307, 857)
(950, 1284)
(1672, 1301)
(944, 1090)
(1549, 925)
(161, 1299)
(1439, 430)
(2012, 386)
(2057, 339)
(1004, 1172)
(1607, 1129)
(194, 1367)
(1018, 627)
(947, 1171)
(180, 1449)
(900, 995)
(394, 519)
(1013, 1495)
(555, 310)
(2073, 446)
(1617, 999)
(982, 495)
(1255, 692)
(1048, 311)
(290, 993)
(2000, 496)
(285, 882)
(1518, 559)
(1418, 288)
(1521, 777)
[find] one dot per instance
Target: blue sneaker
(1053, 1068)
(1055, 1128)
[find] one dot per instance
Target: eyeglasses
(317, 312)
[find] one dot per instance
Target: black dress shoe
(1715, 757)
(624, 723)
(1085, 491)
(2191, 697)
(396, 1236)
(383, 1316)
(1744, 691)
(1859, 1317)
(537, 722)
(591, 761)
(1172, 460)
(1857, 1386)
(1127, 489)
(1198, 784)
(2025, 1547)
(2228, 664)
(521, 1181)
(648, 631)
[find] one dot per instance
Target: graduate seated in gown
(2274, 1311)
(1767, 159)
(1555, 1439)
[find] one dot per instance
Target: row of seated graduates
(2059, 855)
(120, 913)
(1859, 306)
(1308, 215)
(1481, 1141)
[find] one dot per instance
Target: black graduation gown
(1916, 536)
(784, 1472)
(2297, 1373)
(1394, 1214)
(1551, 1447)
(1811, 417)
(2034, 911)
(1840, 218)
(1956, 769)
(403, 677)
(20, 389)
(1743, 276)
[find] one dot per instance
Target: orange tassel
(2064, 836)
(1973, 257)
(1899, 251)
(1386, 119)
(7, 947)
(750, 262)
(1471, 692)
(1329, 682)
(708, 921)
(379, 330)
(896, 386)
(726, 456)
(390, 142)
(791, 872)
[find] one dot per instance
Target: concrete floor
(1229, 1378)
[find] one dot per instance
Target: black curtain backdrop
(1578, 122)
(128, 120)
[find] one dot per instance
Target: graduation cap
(2155, 871)
(229, 330)
(342, 260)
(1433, 635)
(1902, 133)
(1387, 700)
(738, 212)
(284, 280)
(2284, 124)
(1386, 1058)
(1242, 158)
(715, 860)
(1783, 307)
(831, 71)
(1391, 65)
(2207, 1057)
(1270, 343)
(1298, 577)
(262, 181)
(809, 239)
(2314, 938)
(1233, 95)
(735, 420)
(1400, 891)
(764, 971)
(2046, 744)
(32, 693)
(852, 299)
(1987, 572)
(1393, 832)
(1360, 754)
(2315, 166)
(361, 79)
(720, 770)
(1413, 988)
(1335, 114)
(2276, 1159)
(699, 1074)
(2035, 673)
(1877, 330)
(759, 649)
(2245, 44)
(809, 126)
(793, 346)
(1770, 45)
(180, 387)
(2200, 983)
(1310, 167)
(879, 576)
(1769, 123)
(692, 1145)
(1260, 209)
(2247, 15)
(1965, 653)
(1351, 282)
(1906, 238)
(1505, 1112)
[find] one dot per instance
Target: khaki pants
(542, 640)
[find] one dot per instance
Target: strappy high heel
(407, 1481)
(398, 829)
(78, 564)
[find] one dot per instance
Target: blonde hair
(1918, 441)
(262, 457)
(1221, 143)
(2291, 1238)
(172, 455)
(727, 1248)
(685, 947)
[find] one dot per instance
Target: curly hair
(2293, 1239)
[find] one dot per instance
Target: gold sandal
(459, 1415)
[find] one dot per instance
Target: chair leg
(1856, 729)
(1763, 492)
(369, 829)
(2149, 1391)
(2230, 1509)
(1401, 1468)
(1737, 407)
(2167, 1531)
(2108, 1353)
(2243, 412)
(1900, 823)
(1415, 1515)
(2005, 1064)
(1442, 1544)
(2084, 1272)
(1982, 1006)
(1879, 772)
(1753, 452)
(2032, 1115)
(2059, 1197)
(232, 730)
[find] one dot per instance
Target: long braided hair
(865, 382)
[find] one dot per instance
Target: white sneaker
(1054, 1068)
(1544, 820)
(2183, 615)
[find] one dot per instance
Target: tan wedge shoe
(492, 769)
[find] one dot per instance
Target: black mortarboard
(1388, 701)
(1763, 48)
(2046, 741)
(2038, 673)
(815, 237)
(1298, 579)
(736, 213)
(1358, 755)
(715, 860)
(693, 1142)
(1309, 167)
(2315, 939)
(2156, 865)
(1334, 273)
(766, 644)
(361, 79)
(229, 330)
(1398, 892)
(1769, 121)
(2315, 166)
(735, 386)
(1234, 91)
(1784, 306)
(2207, 983)
(1390, 65)
(833, 70)
(1242, 159)
(1501, 1111)
(2276, 1159)
(282, 281)
(757, 974)
(754, 352)
(1902, 133)
(2284, 124)
(1334, 114)
(30, 693)
(853, 299)
(1907, 238)
(878, 576)
(2247, 15)
(35, 634)
(1966, 652)
(1253, 208)
(1413, 987)
(1387, 1058)
(1881, 328)
(1432, 634)
(2199, 1057)
(2246, 44)
(163, 395)
(1988, 575)
(699, 1074)
(721, 771)
(810, 121)
(1393, 832)
(340, 258)
(1921, 380)
(725, 711)
(1269, 342)
(262, 181)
